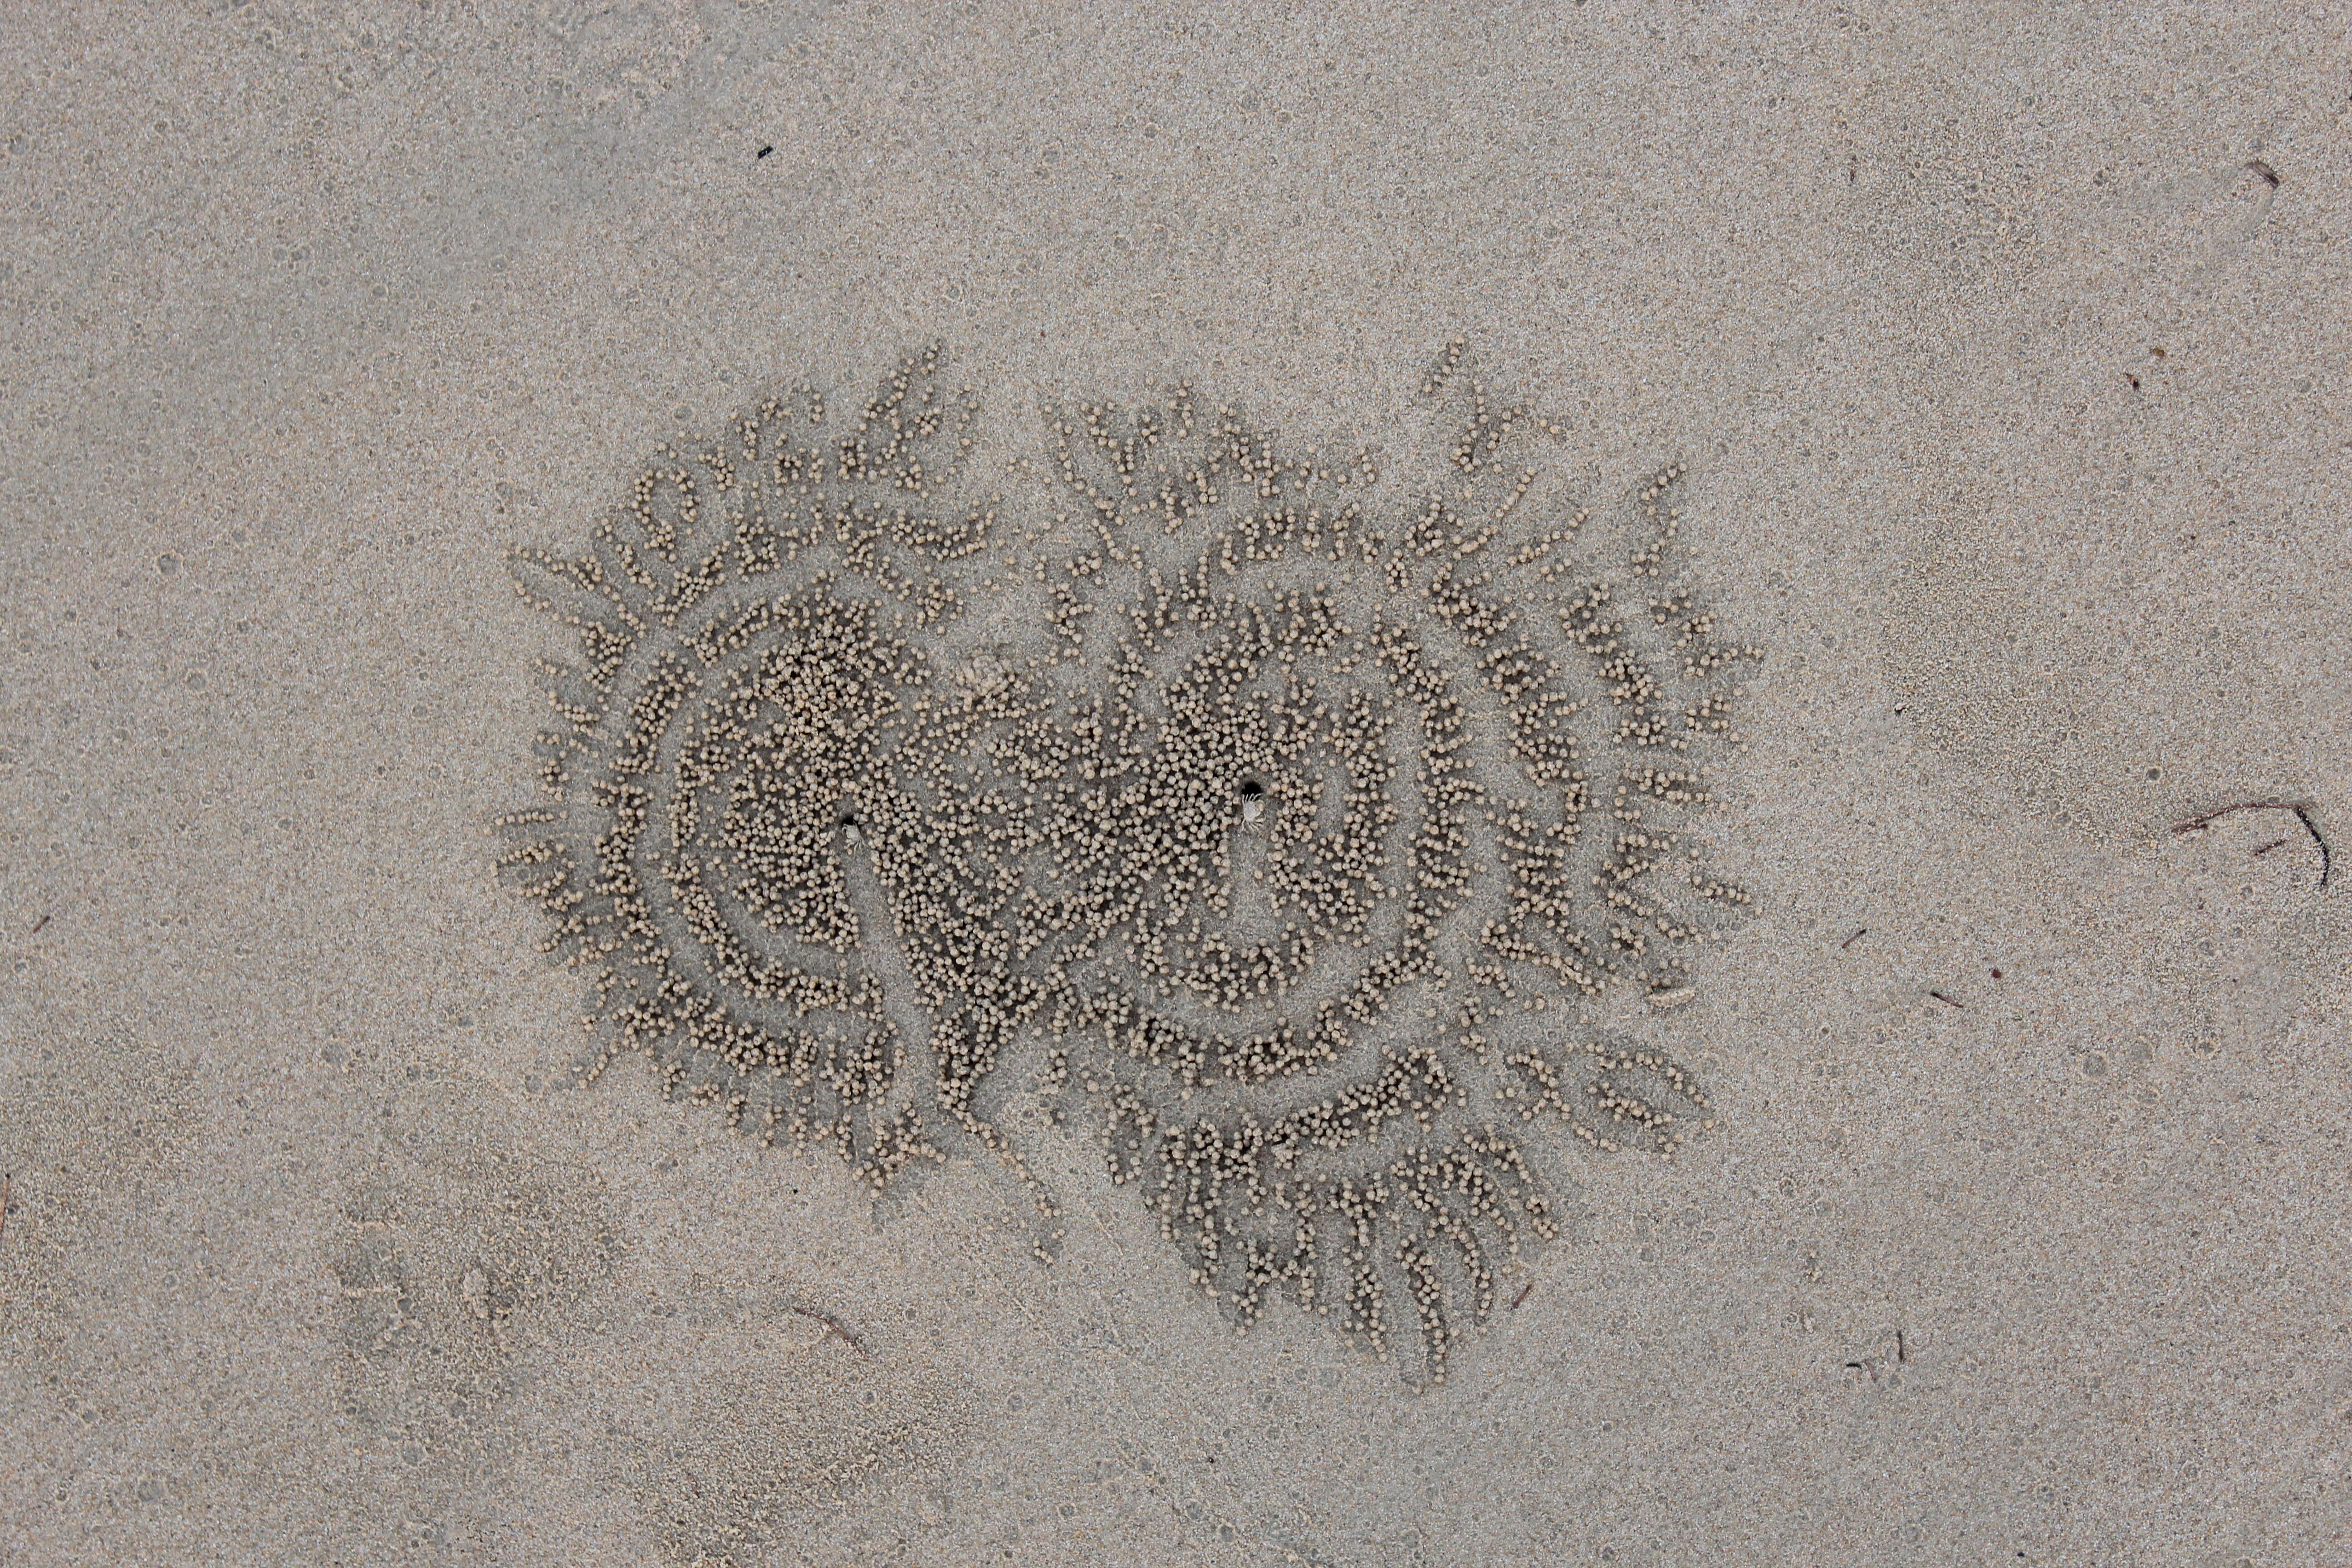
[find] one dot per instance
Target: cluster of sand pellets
(1275, 818)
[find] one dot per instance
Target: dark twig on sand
(2302, 809)
(835, 1325)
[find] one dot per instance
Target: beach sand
(2006, 349)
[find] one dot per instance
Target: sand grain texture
(2006, 352)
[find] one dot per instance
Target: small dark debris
(763, 152)
(2269, 174)
(1854, 938)
(834, 1325)
(2133, 379)
(2303, 815)
(2302, 809)
(1947, 1001)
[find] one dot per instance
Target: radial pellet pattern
(747, 625)
(1276, 817)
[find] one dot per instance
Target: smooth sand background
(2008, 346)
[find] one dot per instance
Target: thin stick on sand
(2302, 809)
